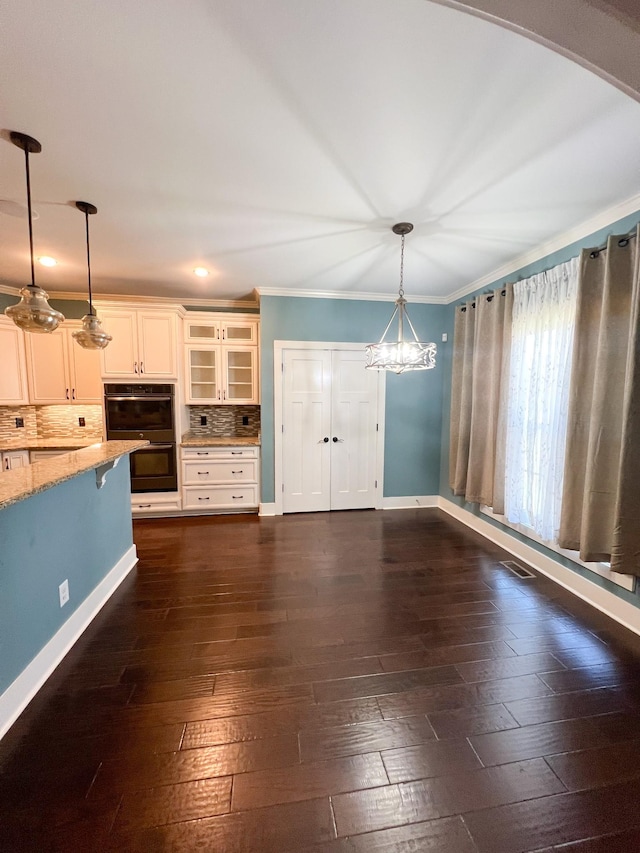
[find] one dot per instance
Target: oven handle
(137, 399)
(154, 447)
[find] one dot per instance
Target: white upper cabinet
(218, 329)
(60, 370)
(143, 346)
(14, 390)
(221, 359)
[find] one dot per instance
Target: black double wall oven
(145, 411)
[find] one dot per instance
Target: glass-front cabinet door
(239, 331)
(239, 375)
(203, 375)
(201, 331)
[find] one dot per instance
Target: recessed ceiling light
(46, 261)
(202, 272)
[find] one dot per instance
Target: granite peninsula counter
(22, 483)
(66, 544)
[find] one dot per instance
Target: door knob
(325, 440)
(336, 439)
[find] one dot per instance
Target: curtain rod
(622, 242)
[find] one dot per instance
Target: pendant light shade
(33, 313)
(91, 335)
(404, 353)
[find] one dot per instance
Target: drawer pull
(202, 452)
(144, 506)
(203, 499)
(237, 472)
(236, 452)
(237, 497)
(203, 472)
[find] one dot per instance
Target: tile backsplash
(225, 420)
(51, 422)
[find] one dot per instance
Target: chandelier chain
(401, 290)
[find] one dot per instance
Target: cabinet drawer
(220, 471)
(219, 497)
(220, 452)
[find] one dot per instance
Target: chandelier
(33, 313)
(404, 353)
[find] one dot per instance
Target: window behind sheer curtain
(544, 308)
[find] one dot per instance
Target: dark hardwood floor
(360, 682)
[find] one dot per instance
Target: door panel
(86, 385)
(307, 421)
(354, 421)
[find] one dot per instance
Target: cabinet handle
(236, 452)
(218, 395)
(202, 452)
(203, 472)
(237, 472)
(141, 367)
(6, 465)
(224, 395)
(203, 499)
(223, 334)
(135, 366)
(237, 497)
(144, 506)
(67, 393)
(73, 393)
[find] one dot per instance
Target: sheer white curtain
(544, 309)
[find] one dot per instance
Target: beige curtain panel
(482, 334)
(600, 503)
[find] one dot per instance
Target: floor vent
(517, 569)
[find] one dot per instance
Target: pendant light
(33, 313)
(402, 354)
(91, 335)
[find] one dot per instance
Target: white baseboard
(623, 612)
(21, 691)
(410, 502)
(267, 509)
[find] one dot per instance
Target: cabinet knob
(336, 439)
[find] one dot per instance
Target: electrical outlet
(63, 590)
(20, 422)
(245, 420)
(81, 422)
(203, 420)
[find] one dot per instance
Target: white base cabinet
(155, 504)
(11, 459)
(220, 479)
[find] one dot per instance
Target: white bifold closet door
(330, 405)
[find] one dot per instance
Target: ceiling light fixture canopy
(91, 335)
(402, 354)
(33, 313)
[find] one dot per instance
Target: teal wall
(413, 402)
(598, 238)
(74, 531)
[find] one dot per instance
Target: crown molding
(579, 232)
(362, 297)
(143, 300)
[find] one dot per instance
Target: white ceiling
(276, 141)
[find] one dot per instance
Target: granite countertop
(48, 443)
(190, 440)
(22, 483)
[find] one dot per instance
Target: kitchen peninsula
(66, 544)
